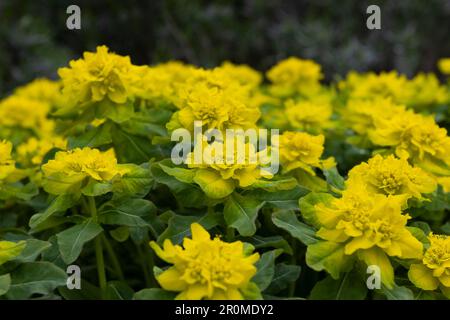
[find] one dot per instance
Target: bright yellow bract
(205, 268)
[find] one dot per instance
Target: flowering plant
(97, 170)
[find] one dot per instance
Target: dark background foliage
(34, 40)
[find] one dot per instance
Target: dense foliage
(87, 179)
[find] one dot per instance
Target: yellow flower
(71, 170)
(425, 91)
(371, 85)
(391, 176)
(217, 104)
(41, 89)
(32, 152)
(219, 173)
(302, 150)
(417, 138)
(243, 74)
(206, 269)
(309, 116)
(163, 82)
(294, 75)
(99, 76)
(359, 114)
(371, 226)
(444, 65)
(434, 270)
(21, 112)
(7, 164)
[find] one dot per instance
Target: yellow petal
(376, 256)
(445, 280)
(422, 277)
(171, 280)
(411, 247)
(199, 233)
(358, 243)
(234, 294)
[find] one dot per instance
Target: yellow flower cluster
(300, 150)
(391, 176)
(434, 270)
(417, 138)
(294, 75)
(205, 268)
(42, 89)
(71, 170)
(309, 115)
(218, 173)
(216, 98)
(98, 76)
(422, 91)
(370, 226)
(17, 112)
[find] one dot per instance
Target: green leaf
(92, 137)
(135, 182)
(121, 234)
(129, 212)
(154, 294)
(277, 242)
(287, 220)
(334, 178)
(71, 241)
(397, 293)
(251, 292)
(273, 185)
(116, 112)
(32, 250)
(329, 256)
(58, 204)
(10, 250)
(95, 188)
(181, 174)
(266, 269)
(35, 278)
(241, 212)
(419, 235)
(5, 282)
(284, 276)
(287, 200)
(446, 228)
(349, 287)
(307, 204)
(117, 290)
(180, 226)
(188, 195)
(212, 183)
(134, 149)
(87, 292)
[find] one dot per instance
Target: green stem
(145, 269)
(113, 257)
(98, 250)
(292, 286)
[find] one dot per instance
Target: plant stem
(293, 285)
(113, 257)
(145, 270)
(98, 250)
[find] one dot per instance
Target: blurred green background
(34, 40)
